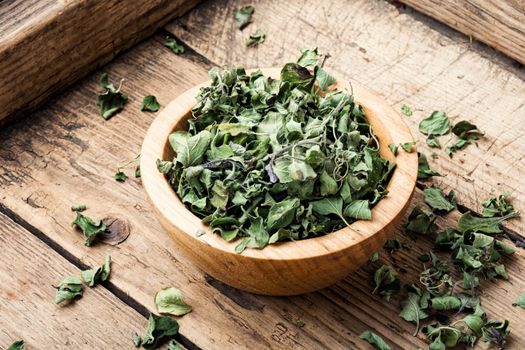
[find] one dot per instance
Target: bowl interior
(388, 127)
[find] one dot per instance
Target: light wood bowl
(286, 268)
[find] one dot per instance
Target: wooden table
(66, 153)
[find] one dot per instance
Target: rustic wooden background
(66, 153)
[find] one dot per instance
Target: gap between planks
(113, 289)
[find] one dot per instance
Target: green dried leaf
(424, 172)
(137, 339)
(446, 303)
(520, 302)
(393, 149)
(69, 288)
(174, 45)
(90, 228)
(469, 223)
(100, 274)
(190, 150)
(120, 176)
(433, 141)
(408, 146)
(421, 222)
(412, 311)
(159, 329)
(150, 104)
(324, 79)
(169, 302)
(386, 282)
(405, 109)
(359, 209)
(374, 340)
(256, 38)
(436, 198)
(243, 16)
(111, 100)
(174, 345)
(17, 345)
(497, 206)
(282, 214)
(435, 124)
(466, 130)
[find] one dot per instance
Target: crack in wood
(112, 288)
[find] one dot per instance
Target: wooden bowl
(287, 268)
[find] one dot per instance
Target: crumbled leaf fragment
(406, 110)
(100, 274)
(520, 302)
(69, 288)
(375, 340)
(421, 221)
(408, 146)
(120, 176)
(169, 302)
(256, 38)
(17, 345)
(497, 206)
(111, 100)
(174, 45)
(89, 227)
(150, 104)
(160, 328)
(78, 207)
(243, 16)
(424, 172)
(137, 339)
(386, 282)
(174, 345)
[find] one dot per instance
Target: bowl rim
(388, 126)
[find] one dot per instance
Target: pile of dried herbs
(268, 160)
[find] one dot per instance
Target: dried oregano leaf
(266, 160)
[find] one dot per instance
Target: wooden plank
(30, 268)
(43, 170)
(43, 175)
(47, 45)
(500, 24)
(406, 58)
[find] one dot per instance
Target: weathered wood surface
(29, 270)
(66, 154)
(500, 24)
(47, 45)
(402, 58)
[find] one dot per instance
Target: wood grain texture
(47, 45)
(288, 268)
(407, 59)
(98, 320)
(500, 24)
(43, 170)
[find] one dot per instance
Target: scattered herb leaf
(90, 228)
(150, 104)
(17, 345)
(424, 172)
(159, 329)
(169, 302)
(520, 302)
(111, 100)
(120, 176)
(386, 281)
(256, 38)
(69, 288)
(408, 146)
(100, 274)
(435, 124)
(497, 206)
(375, 340)
(405, 109)
(436, 198)
(174, 45)
(243, 16)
